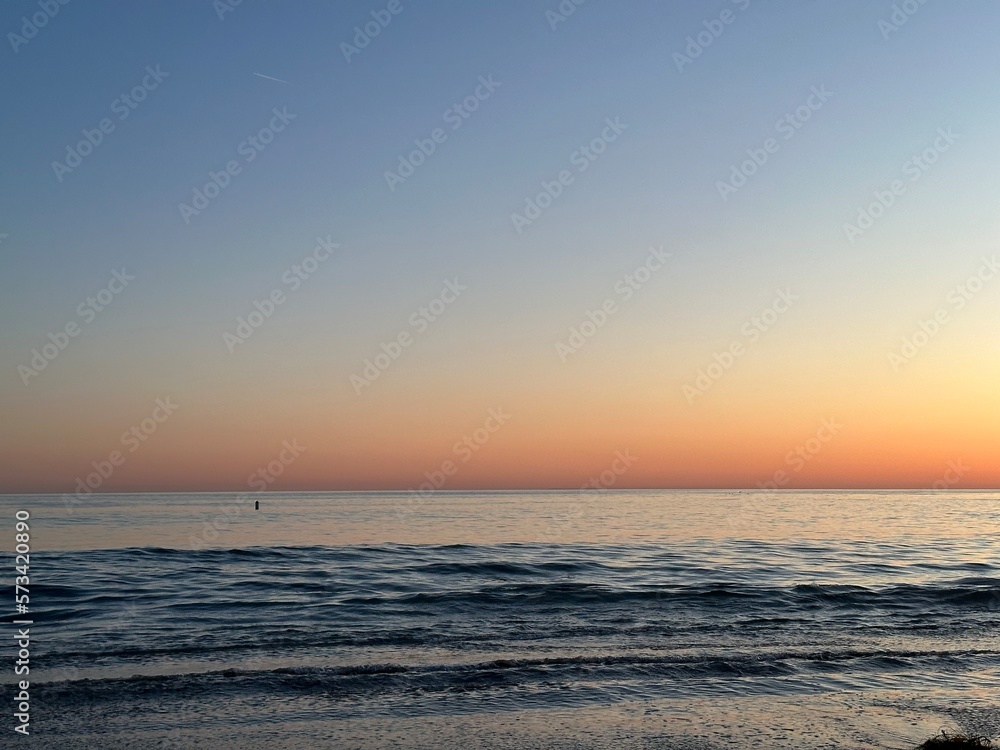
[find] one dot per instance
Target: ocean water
(159, 615)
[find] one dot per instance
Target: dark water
(562, 600)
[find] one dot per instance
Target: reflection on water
(338, 606)
(186, 521)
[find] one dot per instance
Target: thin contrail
(270, 78)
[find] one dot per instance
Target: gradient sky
(656, 185)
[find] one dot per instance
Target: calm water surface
(353, 605)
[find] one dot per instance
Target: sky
(440, 245)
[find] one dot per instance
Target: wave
(352, 681)
(317, 592)
(162, 604)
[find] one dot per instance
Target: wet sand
(847, 721)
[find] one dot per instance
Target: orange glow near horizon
(743, 433)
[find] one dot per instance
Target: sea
(389, 619)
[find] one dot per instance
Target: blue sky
(324, 175)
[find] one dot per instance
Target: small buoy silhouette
(256, 504)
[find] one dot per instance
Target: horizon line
(514, 490)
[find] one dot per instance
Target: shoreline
(887, 720)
